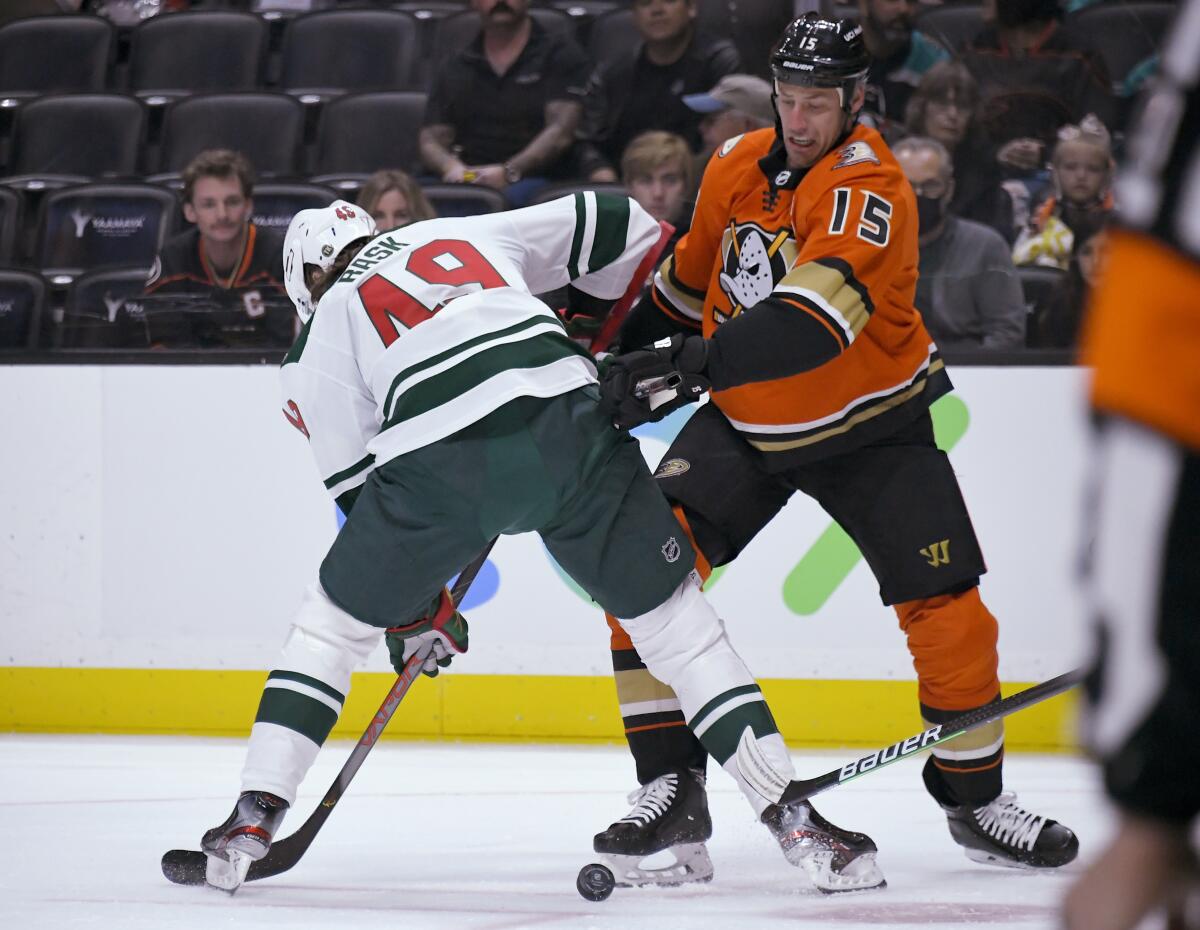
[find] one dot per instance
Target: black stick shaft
(802, 788)
(187, 867)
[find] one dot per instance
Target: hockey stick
(189, 867)
(620, 310)
(759, 774)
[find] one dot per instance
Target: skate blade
(861, 874)
(1003, 862)
(691, 864)
(227, 874)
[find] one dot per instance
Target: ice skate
(834, 859)
(669, 814)
(242, 839)
(1003, 833)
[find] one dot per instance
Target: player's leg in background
(1142, 709)
(620, 542)
(900, 502)
(721, 499)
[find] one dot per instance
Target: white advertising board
(168, 517)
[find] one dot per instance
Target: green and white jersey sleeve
(434, 326)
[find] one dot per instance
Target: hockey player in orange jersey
(791, 301)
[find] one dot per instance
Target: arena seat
(22, 303)
(197, 52)
(55, 54)
(332, 52)
(267, 128)
(65, 138)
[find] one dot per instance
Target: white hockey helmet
(316, 237)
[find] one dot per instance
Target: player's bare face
(219, 209)
(660, 193)
(391, 210)
(659, 20)
(812, 120)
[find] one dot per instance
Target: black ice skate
(834, 859)
(1002, 832)
(669, 813)
(244, 838)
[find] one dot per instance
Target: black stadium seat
(953, 25)
(333, 52)
(276, 204)
(464, 199)
(613, 34)
(197, 52)
(55, 54)
(1124, 34)
(554, 191)
(81, 228)
(753, 25)
(362, 133)
(78, 136)
(22, 299)
(10, 224)
(1038, 285)
(103, 311)
(267, 128)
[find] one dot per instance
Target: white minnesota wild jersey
(433, 326)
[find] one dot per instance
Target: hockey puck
(595, 882)
(184, 866)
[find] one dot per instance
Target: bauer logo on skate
(890, 754)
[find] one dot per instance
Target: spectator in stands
(968, 291)
(656, 169)
(1057, 325)
(226, 273)
(737, 104)
(643, 88)
(394, 199)
(512, 68)
(900, 55)
(944, 107)
(1082, 173)
(1035, 74)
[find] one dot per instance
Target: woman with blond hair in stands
(394, 199)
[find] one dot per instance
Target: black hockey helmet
(819, 51)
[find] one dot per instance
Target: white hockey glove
(443, 626)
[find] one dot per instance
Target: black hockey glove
(645, 385)
(443, 626)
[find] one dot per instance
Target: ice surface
(485, 837)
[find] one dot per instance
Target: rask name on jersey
(432, 327)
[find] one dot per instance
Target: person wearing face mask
(968, 292)
(945, 107)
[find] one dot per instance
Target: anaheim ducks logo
(754, 259)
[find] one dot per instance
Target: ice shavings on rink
(485, 837)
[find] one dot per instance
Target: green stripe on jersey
(721, 699)
(577, 239)
(612, 230)
(361, 465)
(298, 712)
(535, 352)
(315, 683)
(721, 739)
(459, 348)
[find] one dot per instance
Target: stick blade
(184, 866)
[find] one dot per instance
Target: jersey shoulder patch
(728, 144)
(856, 153)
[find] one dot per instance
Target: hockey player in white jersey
(445, 405)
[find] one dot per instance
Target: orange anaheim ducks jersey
(803, 282)
(1142, 334)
